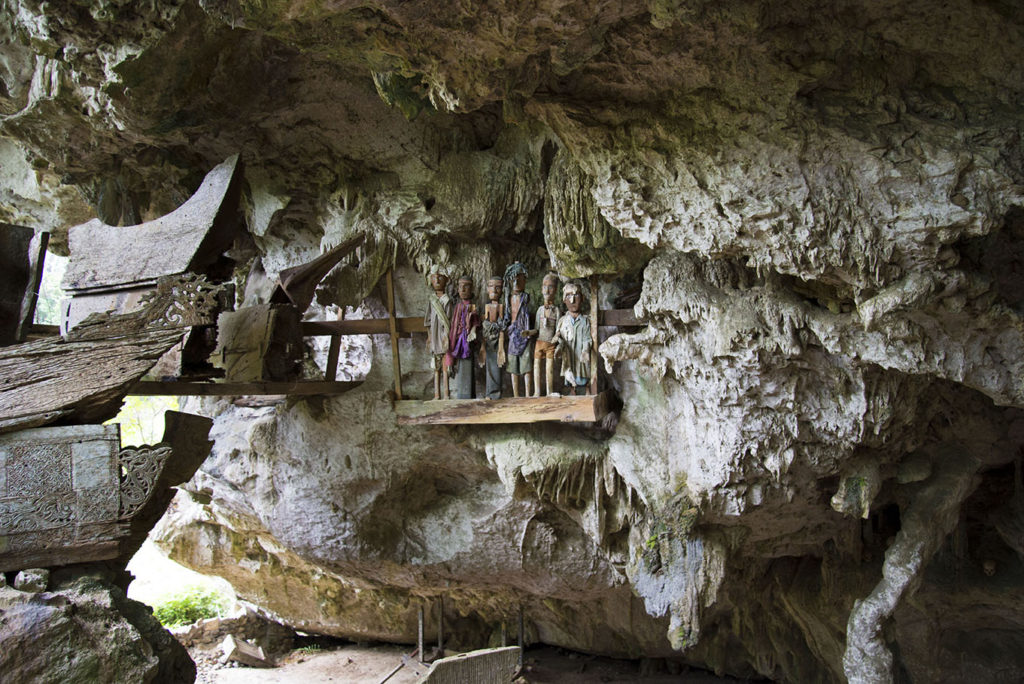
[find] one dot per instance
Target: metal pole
(440, 626)
(521, 630)
(419, 639)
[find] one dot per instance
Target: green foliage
(50, 294)
(311, 649)
(142, 419)
(191, 605)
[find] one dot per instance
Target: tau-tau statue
(574, 341)
(494, 339)
(544, 347)
(438, 322)
(517, 324)
(462, 340)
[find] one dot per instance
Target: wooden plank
(485, 666)
(363, 326)
(241, 651)
(235, 389)
(395, 361)
(588, 409)
(77, 381)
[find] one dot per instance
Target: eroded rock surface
(53, 636)
(821, 209)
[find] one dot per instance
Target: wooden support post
(593, 334)
(419, 639)
(331, 373)
(28, 313)
(393, 329)
(504, 634)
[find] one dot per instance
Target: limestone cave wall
(813, 472)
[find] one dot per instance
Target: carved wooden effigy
(71, 494)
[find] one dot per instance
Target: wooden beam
(623, 318)
(588, 409)
(393, 326)
(363, 326)
(234, 389)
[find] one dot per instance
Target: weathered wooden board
(241, 651)
(238, 389)
(22, 252)
(190, 238)
(81, 382)
(587, 409)
(486, 666)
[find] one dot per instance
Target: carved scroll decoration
(140, 468)
(39, 513)
(178, 301)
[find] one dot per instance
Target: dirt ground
(354, 664)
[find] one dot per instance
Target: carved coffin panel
(58, 487)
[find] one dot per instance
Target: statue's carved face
(438, 281)
(494, 290)
(519, 283)
(573, 298)
(548, 289)
(465, 288)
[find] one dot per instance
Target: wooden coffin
(71, 494)
(259, 343)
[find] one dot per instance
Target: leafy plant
(191, 605)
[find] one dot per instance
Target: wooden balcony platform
(587, 409)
